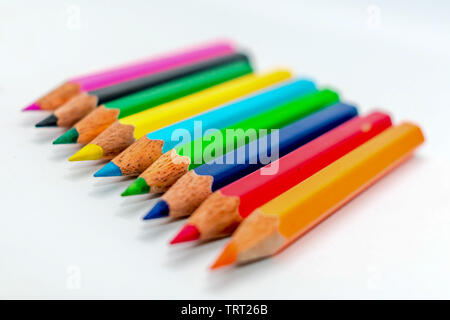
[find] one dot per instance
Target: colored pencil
(122, 133)
(276, 224)
(101, 118)
(79, 106)
(221, 213)
(194, 187)
(141, 154)
(74, 86)
(165, 171)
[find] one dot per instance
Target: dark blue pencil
(192, 189)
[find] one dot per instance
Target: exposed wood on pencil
(95, 123)
(191, 189)
(139, 156)
(165, 171)
(115, 139)
(75, 109)
(223, 210)
(260, 239)
(59, 96)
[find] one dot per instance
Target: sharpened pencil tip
(70, 136)
(50, 121)
(139, 186)
(109, 170)
(188, 233)
(88, 152)
(32, 107)
(160, 210)
(228, 256)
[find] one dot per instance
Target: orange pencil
(279, 222)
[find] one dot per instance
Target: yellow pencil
(125, 131)
(280, 221)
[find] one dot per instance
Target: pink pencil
(76, 85)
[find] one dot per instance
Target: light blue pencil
(139, 156)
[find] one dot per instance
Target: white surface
(60, 225)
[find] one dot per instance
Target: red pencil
(221, 213)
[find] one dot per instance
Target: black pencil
(78, 107)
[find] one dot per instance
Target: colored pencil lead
(50, 121)
(188, 233)
(109, 170)
(71, 136)
(160, 210)
(32, 107)
(89, 152)
(228, 256)
(140, 186)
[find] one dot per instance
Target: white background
(64, 234)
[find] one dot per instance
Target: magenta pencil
(76, 85)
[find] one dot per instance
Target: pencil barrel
(129, 87)
(321, 194)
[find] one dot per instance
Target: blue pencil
(189, 191)
(138, 157)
